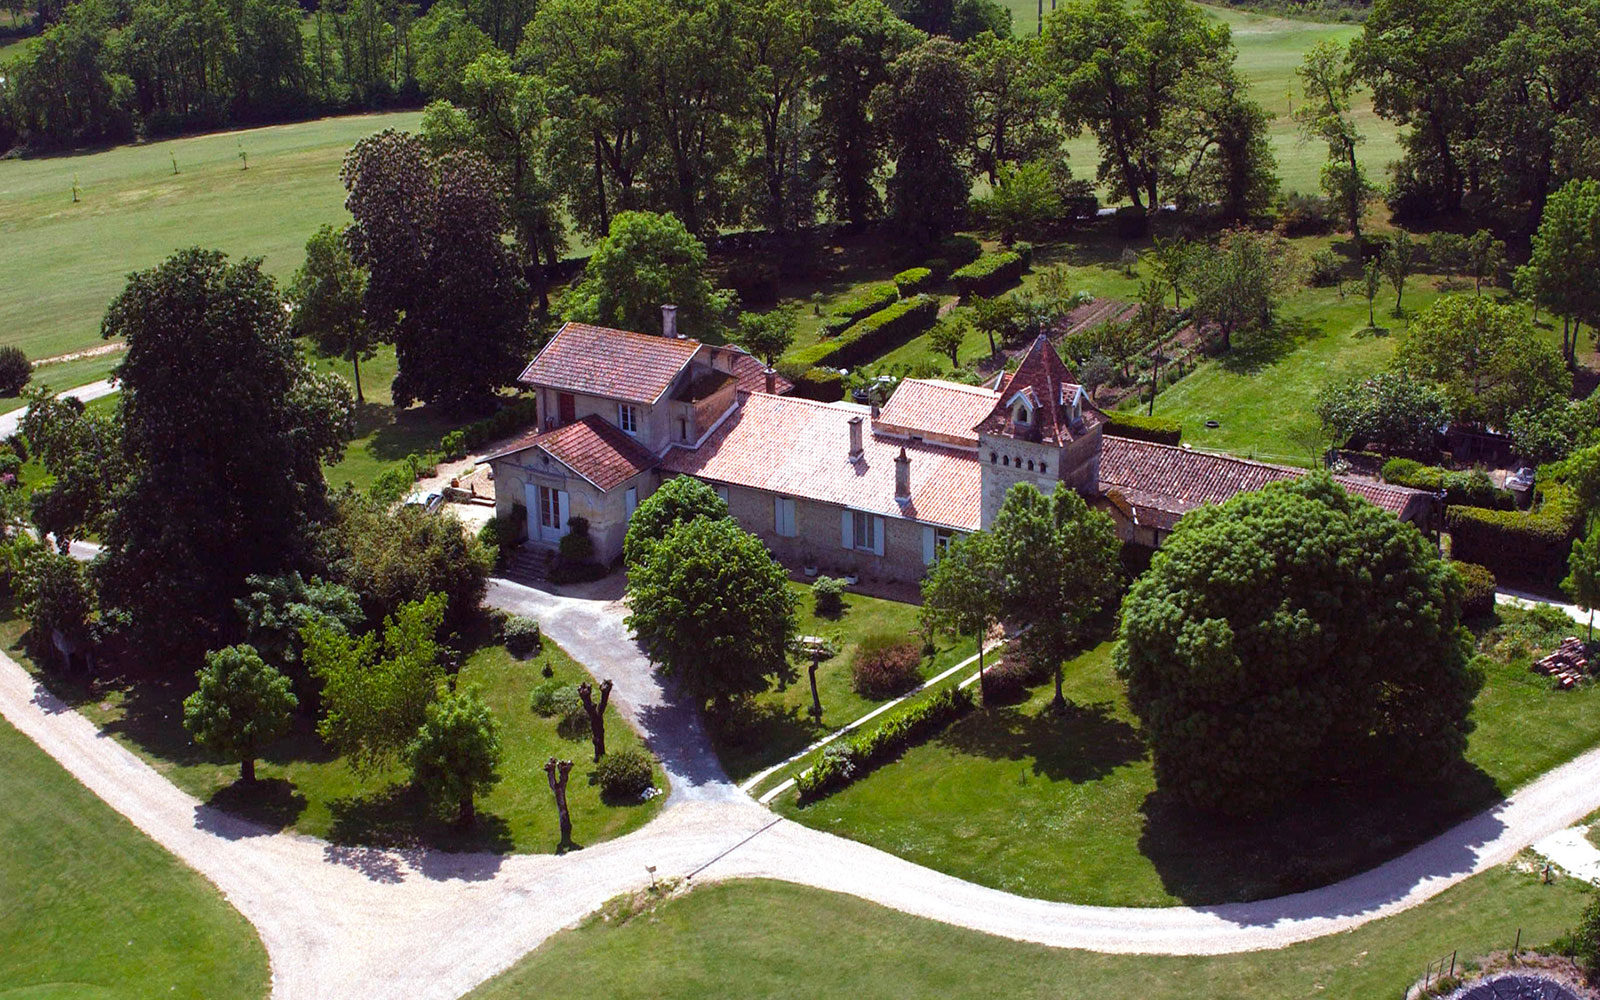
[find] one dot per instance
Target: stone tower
(1043, 430)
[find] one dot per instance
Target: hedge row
(991, 273)
(867, 338)
(1518, 547)
(1471, 488)
(825, 385)
(1161, 430)
(863, 303)
(959, 251)
(849, 759)
(913, 280)
(1477, 589)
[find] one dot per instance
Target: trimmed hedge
(885, 330)
(1160, 430)
(1477, 589)
(991, 273)
(913, 280)
(825, 385)
(1516, 546)
(863, 303)
(849, 759)
(958, 251)
(1471, 488)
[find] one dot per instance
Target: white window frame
(783, 517)
(628, 419)
(630, 499)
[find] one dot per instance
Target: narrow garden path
(360, 923)
(9, 422)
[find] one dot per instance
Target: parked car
(428, 500)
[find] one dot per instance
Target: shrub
(828, 592)
(522, 636)
(1406, 472)
(554, 699)
(1477, 589)
(1585, 940)
(1326, 268)
(1304, 215)
(502, 534)
(1161, 430)
(913, 280)
(1007, 682)
(422, 465)
(825, 385)
(1471, 488)
(453, 445)
(1023, 249)
(845, 760)
(1516, 546)
(885, 665)
(15, 371)
(623, 775)
(989, 274)
(885, 329)
(831, 327)
(1132, 222)
(959, 251)
(938, 270)
(576, 546)
(392, 484)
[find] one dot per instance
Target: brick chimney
(669, 321)
(902, 476)
(856, 449)
(772, 381)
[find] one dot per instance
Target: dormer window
(1020, 414)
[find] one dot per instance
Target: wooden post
(1516, 949)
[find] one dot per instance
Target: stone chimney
(669, 321)
(902, 476)
(772, 381)
(856, 449)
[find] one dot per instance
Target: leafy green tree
(1487, 359)
(1586, 939)
(328, 295)
(54, 595)
(856, 45)
(997, 317)
(241, 706)
(767, 335)
(680, 499)
(1485, 256)
(446, 42)
(1059, 571)
(1259, 649)
(713, 607)
(1448, 252)
(455, 755)
(1582, 583)
(1386, 410)
(1566, 256)
(1238, 286)
(947, 336)
(647, 261)
(1023, 199)
(1551, 432)
(1218, 157)
(81, 449)
(1399, 256)
(1124, 75)
(225, 429)
(778, 57)
(962, 594)
(442, 282)
(1175, 261)
(376, 688)
(1014, 120)
(1326, 81)
(924, 112)
(277, 610)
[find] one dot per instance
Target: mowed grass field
(64, 262)
(771, 939)
(93, 909)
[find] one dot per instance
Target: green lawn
(65, 261)
(780, 725)
(790, 941)
(1065, 807)
(94, 909)
(304, 786)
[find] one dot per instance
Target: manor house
(847, 488)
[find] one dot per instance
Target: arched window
(1030, 465)
(1006, 461)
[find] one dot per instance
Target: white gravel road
(364, 923)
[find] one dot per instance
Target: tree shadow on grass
(1253, 350)
(762, 734)
(266, 807)
(1323, 837)
(400, 816)
(1084, 743)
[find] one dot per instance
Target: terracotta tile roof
(632, 367)
(595, 450)
(1044, 379)
(937, 410)
(752, 375)
(1162, 482)
(800, 448)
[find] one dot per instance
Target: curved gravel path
(368, 923)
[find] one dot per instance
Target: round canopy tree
(1293, 635)
(680, 499)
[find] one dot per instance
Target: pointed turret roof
(1048, 387)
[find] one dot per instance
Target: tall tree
(1013, 114)
(647, 261)
(1058, 571)
(224, 432)
(328, 298)
(962, 594)
(1399, 256)
(1124, 73)
(857, 44)
(680, 499)
(1485, 356)
(778, 57)
(429, 232)
(455, 754)
(1566, 259)
(1582, 583)
(1218, 157)
(713, 607)
(240, 707)
(1327, 81)
(924, 109)
(1258, 649)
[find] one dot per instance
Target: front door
(566, 408)
(547, 513)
